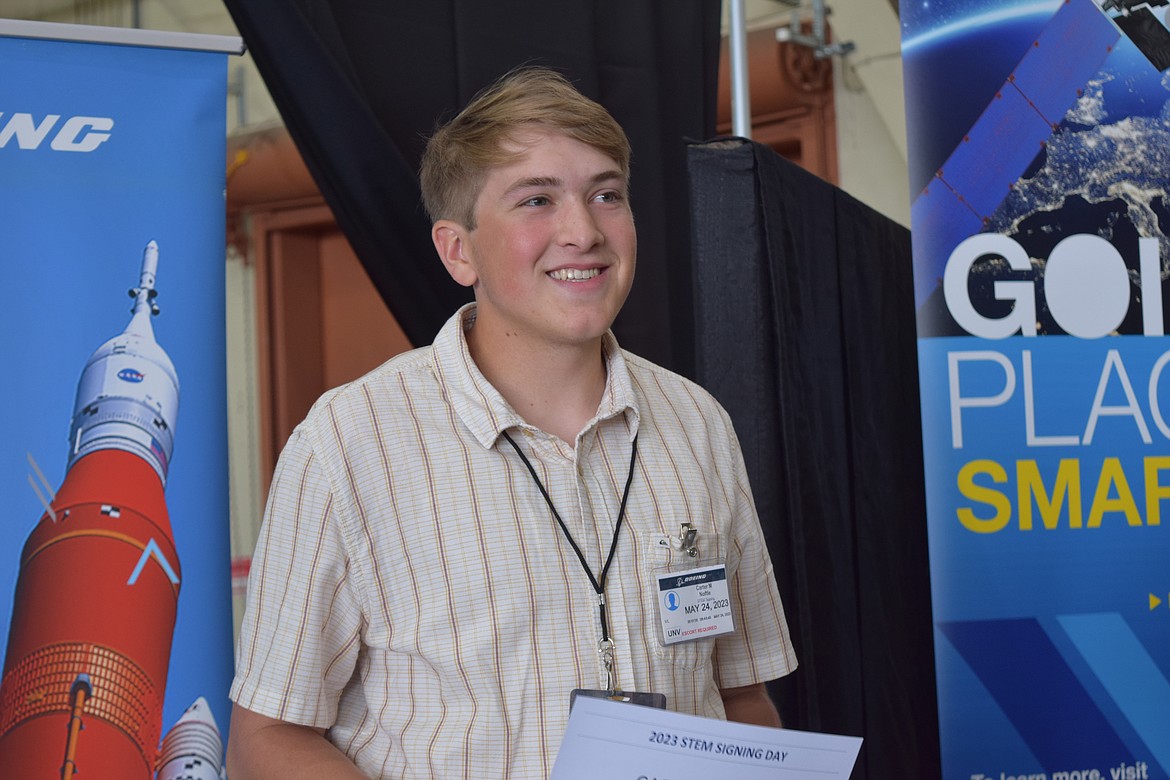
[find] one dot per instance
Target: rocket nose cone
(200, 711)
(128, 394)
(150, 259)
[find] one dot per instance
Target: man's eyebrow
(608, 176)
(556, 182)
(533, 181)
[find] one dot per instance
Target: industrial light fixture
(821, 48)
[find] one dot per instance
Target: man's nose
(578, 226)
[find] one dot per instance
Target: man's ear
(454, 248)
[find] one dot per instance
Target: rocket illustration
(94, 611)
(193, 749)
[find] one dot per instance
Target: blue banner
(114, 565)
(1040, 142)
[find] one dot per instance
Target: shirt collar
(485, 412)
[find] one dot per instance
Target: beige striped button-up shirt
(412, 593)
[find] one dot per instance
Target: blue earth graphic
(950, 77)
(1103, 171)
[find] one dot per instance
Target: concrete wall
(871, 113)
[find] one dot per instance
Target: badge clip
(687, 536)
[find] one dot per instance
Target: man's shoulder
(390, 383)
(677, 407)
(647, 374)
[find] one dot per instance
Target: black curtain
(807, 337)
(361, 84)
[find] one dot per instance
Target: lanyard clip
(605, 650)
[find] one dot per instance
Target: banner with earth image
(1039, 138)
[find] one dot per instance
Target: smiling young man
(550, 254)
(462, 540)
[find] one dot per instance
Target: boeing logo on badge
(130, 375)
(671, 601)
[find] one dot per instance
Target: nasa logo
(130, 375)
(76, 134)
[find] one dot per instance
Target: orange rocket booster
(94, 612)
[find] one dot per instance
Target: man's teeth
(574, 274)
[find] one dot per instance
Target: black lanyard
(598, 584)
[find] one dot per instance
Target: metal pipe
(741, 105)
(82, 689)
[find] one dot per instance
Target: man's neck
(556, 388)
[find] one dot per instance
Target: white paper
(611, 739)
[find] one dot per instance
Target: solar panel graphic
(1009, 134)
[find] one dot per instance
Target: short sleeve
(761, 648)
(301, 630)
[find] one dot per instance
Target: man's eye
(539, 200)
(609, 197)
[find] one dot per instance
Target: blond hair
(462, 152)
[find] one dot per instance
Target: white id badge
(694, 604)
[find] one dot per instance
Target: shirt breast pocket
(662, 555)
